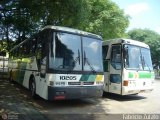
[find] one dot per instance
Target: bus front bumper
(136, 91)
(77, 92)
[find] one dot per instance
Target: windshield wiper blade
(90, 65)
(77, 58)
(87, 61)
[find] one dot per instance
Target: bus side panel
(106, 81)
(31, 69)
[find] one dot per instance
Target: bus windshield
(70, 52)
(136, 57)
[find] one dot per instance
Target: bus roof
(65, 29)
(127, 41)
(71, 30)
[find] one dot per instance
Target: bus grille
(80, 83)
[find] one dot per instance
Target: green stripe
(84, 77)
(92, 78)
(144, 75)
(88, 78)
(141, 75)
(130, 75)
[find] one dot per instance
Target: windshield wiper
(87, 61)
(144, 63)
(77, 58)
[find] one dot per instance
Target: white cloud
(136, 9)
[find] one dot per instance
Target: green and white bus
(59, 63)
(128, 67)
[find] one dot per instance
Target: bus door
(42, 63)
(42, 77)
(115, 70)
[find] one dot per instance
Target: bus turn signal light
(125, 83)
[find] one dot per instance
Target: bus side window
(116, 56)
(27, 49)
(39, 53)
(42, 50)
(34, 45)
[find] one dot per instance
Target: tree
(151, 38)
(3, 46)
(22, 18)
(106, 19)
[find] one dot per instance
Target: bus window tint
(137, 58)
(65, 54)
(132, 57)
(116, 56)
(146, 59)
(92, 57)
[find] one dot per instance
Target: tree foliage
(106, 19)
(22, 18)
(151, 38)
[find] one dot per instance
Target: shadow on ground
(15, 99)
(123, 98)
(13, 102)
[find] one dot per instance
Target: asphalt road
(114, 105)
(109, 107)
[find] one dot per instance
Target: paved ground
(17, 105)
(15, 99)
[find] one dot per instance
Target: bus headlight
(99, 78)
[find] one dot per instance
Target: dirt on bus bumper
(77, 92)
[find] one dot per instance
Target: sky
(143, 13)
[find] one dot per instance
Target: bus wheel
(33, 88)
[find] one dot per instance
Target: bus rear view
(128, 67)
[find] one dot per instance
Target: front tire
(33, 88)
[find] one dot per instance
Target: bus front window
(146, 59)
(92, 54)
(65, 52)
(70, 52)
(137, 58)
